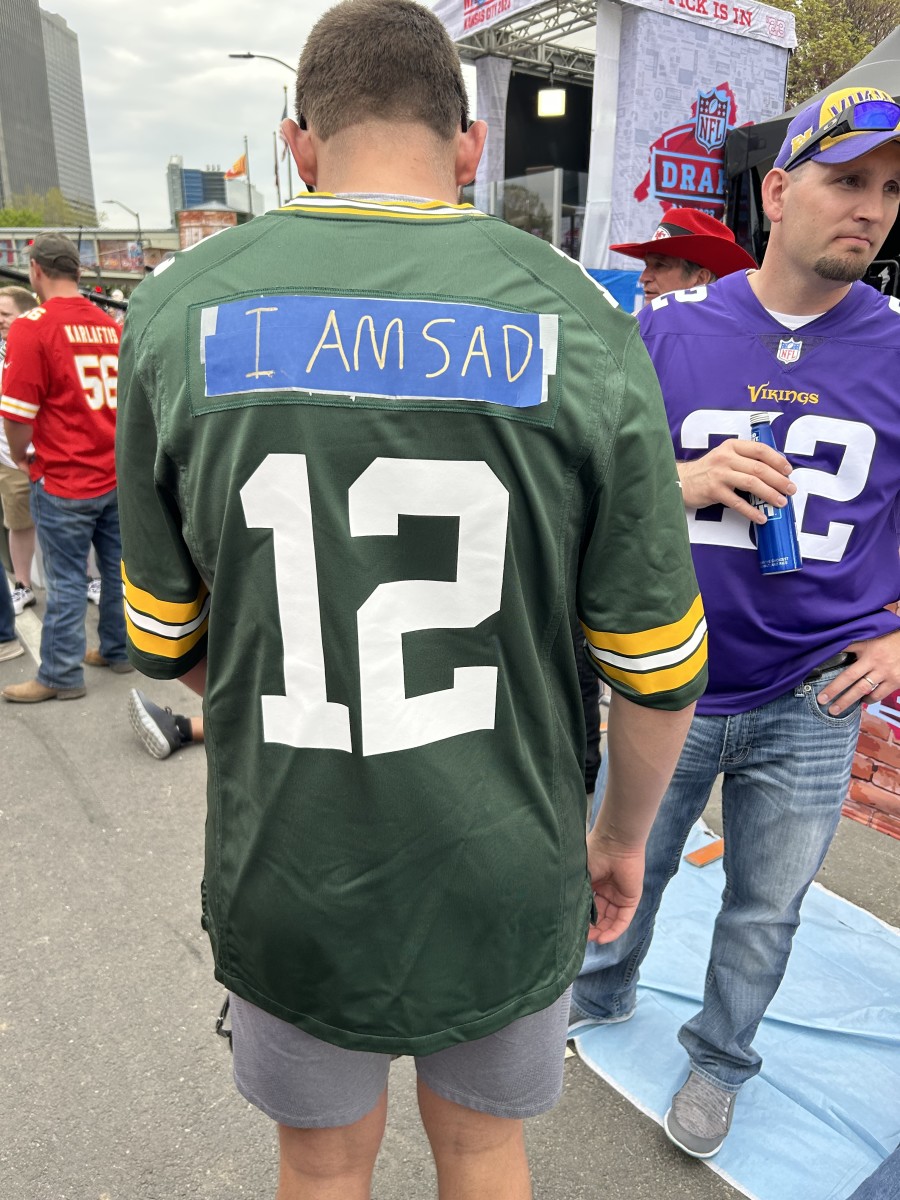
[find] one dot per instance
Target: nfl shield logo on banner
(711, 123)
(789, 351)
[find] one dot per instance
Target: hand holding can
(777, 544)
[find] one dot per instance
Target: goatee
(840, 270)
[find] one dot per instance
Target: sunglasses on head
(868, 116)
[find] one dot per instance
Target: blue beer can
(777, 545)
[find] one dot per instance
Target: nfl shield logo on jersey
(789, 351)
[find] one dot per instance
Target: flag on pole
(239, 169)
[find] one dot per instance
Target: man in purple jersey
(791, 656)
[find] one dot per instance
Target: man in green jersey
(378, 454)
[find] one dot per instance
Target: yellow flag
(239, 168)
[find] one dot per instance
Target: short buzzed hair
(21, 297)
(391, 60)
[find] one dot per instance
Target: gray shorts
(306, 1083)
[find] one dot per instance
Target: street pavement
(113, 1085)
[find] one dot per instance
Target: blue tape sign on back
(403, 349)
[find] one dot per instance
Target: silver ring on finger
(872, 686)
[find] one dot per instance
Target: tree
(832, 36)
(19, 218)
(33, 211)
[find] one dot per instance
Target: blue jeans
(66, 529)
(786, 769)
(884, 1184)
(7, 612)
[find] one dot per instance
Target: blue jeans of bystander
(66, 529)
(7, 612)
(884, 1184)
(786, 769)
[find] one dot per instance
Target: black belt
(843, 659)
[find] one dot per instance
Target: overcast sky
(158, 81)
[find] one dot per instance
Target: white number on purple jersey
(803, 436)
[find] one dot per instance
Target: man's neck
(787, 291)
(52, 289)
(373, 165)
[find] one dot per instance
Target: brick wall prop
(874, 794)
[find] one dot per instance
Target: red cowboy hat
(693, 235)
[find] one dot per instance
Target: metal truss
(532, 40)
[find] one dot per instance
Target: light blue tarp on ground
(825, 1110)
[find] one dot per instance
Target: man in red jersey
(59, 393)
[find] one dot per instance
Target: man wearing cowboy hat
(689, 249)
(792, 656)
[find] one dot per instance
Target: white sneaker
(93, 591)
(22, 597)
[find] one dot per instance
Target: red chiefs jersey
(60, 376)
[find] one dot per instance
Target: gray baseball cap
(56, 252)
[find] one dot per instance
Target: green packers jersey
(376, 459)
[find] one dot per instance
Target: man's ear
(704, 277)
(469, 149)
(303, 151)
(774, 187)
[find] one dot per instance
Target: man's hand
(617, 879)
(874, 675)
(737, 465)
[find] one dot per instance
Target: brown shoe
(93, 658)
(33, 692)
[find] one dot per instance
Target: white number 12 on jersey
(277, 497)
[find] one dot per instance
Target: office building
(27, 148)
(190, 187)
(43, 130)
(67, 114)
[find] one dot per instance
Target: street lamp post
(137, 217)
(293, 71)
(280, 61)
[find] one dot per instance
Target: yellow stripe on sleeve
(173, 612)
(663, 637)
(152, 643)
(22, 410)
(670, 679)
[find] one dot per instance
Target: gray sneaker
(155, 726)
(700, 1117)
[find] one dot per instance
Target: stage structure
(670, 78)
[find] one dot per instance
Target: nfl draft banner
(465, 17)
(752, 20)
(685, 79)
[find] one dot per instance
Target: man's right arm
(643, 745)
(166, 600)
(18, 436)
(195, 678)
(24, 386)
(643, 619)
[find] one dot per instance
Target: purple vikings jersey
(833, 389)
